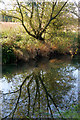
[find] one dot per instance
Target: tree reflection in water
(39, 95)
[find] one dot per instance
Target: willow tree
(35, 16)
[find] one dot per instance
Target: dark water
(50, 89)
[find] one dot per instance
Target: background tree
(75, 10)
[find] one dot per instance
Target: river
(52, 90)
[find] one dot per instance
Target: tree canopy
(36, 16)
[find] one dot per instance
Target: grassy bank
(17, 45)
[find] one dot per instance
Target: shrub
(7, 54)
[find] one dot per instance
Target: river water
(56, 91)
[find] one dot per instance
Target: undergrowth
(16, 43)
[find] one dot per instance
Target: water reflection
(43, 93)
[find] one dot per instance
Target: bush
(8, 54)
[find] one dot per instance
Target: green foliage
(8, 54)
(15, 38)
(73, 113)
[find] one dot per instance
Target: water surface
(53, 86)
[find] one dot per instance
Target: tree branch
(38, 19)
(59, 11)
(31, 19)
(26, 8)
(11, 92)
(42, 10)
(23, 20)
(51, 18)
(11, 16)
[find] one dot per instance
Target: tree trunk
(40, 38)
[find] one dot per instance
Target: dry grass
(8, 26)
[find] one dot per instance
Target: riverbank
(17, 45)
(16, 55)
